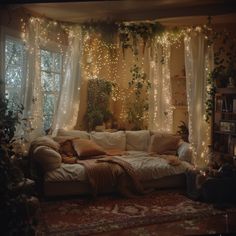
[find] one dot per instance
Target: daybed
(160, 160)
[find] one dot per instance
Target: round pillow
(48, 158)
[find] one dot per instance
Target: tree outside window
(51, 70)
(14, 69)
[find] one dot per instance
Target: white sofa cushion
(48, 158)
(137, 140)
(73, 133)
(107, 140)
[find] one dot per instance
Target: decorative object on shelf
(224, 120)
(231, 83)
(228, 126)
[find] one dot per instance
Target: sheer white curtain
(198, 63)
(32, 93)
(69, 99)
(160, 97)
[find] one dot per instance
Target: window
(51, 69)
(14, 69)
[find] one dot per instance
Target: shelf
(224, 132)
(222, 153)
(226, 90)
(226, 112)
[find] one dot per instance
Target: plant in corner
(183, 131)
(15, 205)
(99, 91)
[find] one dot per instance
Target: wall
(120, 71)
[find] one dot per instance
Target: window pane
(48, 110)
(51, 83)
(13, 53)
(57, 61)
(57, 82)
(47, 81)
(14, 66)
(13, 77)
(46, 60)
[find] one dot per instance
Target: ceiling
(168, 11)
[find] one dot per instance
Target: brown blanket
(111, 171)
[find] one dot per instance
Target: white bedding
(148, 167)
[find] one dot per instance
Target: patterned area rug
(84, 216)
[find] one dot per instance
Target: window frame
(51, 47)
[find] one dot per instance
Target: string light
(106, 60)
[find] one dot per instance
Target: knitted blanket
(113, 172)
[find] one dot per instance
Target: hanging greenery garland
(107, 29)
(131, 32)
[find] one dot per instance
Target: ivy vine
(138, 104)
(210, 95)
(130, 33)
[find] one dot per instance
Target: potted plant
(16, 205)
(183, 131)
(98, 112)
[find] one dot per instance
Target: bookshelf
(224, 121)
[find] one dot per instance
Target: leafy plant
(14, 203)
(224, 59)
(130, 33)
(183, 131)
(137, 105)
(99, 92)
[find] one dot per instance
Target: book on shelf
(234, 105)
(219, 105)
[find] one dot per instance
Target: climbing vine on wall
(137, 106)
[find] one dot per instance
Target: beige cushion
(86, 148)
(44, 141)
(137, 140)
(73, 133)
(107, 140)
(61, 139)
(67, 148)
(48, 158)
(164, 143)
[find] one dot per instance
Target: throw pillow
(61, 139)
(48, 158)
(67, 149)
(107, 140)
(87, 148)
(164, 143)
(137, 140)
(44, 141)
(73, 133)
